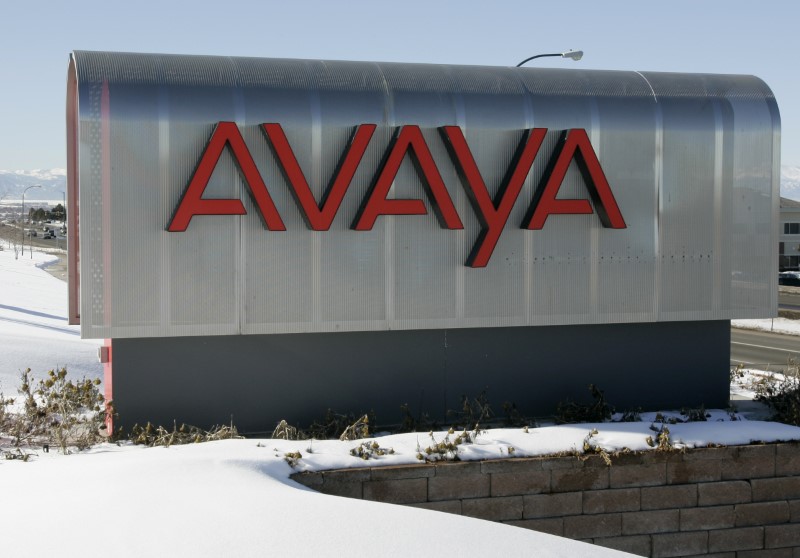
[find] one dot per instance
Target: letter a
(575, 145)
(408, 139)
(192, 202)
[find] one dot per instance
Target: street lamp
(64, 205)
(573, 54)
(22, 218)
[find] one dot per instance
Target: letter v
(192, 202)
(492, 214)
(319, 217)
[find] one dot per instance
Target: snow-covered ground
(229, 498)
(33, 323)
(546, 440)
(746, 385)
(234, 497)
(777, 325)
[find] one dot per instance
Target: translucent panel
(691, 162)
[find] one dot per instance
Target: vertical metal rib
(165, 255)
(717, 216)
(316, 178)
(388, 222)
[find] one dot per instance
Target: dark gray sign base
(261, 379)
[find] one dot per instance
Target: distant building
(789, 244)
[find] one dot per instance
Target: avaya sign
(408, 140)
(217, 196)
(271, 237)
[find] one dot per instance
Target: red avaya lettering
(319, 217)
(192, 202)
(576, 145)
(408, 139)
(492, 214)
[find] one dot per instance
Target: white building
(789, 247)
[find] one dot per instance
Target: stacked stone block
(735, 502)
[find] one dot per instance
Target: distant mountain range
(54, 181)
(790, 182)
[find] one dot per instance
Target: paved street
(764, 350)
(789, 298)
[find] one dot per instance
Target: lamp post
(573, 54)
(64, 205)
(22, 218)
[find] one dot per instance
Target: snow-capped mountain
(52, 181)
(41, 174)
(790, 182)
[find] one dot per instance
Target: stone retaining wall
(727, 502)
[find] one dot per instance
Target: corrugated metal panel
(692, 161)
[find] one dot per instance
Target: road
(763, 350)
(10, 235)
(789, 299)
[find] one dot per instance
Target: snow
(790, 173)
(41, 174)
(545, 440)
(33, 323)
(227, 498)
(235, 497)
(790, 182)
(776, 325)
(746, 385)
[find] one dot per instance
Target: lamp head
(574, 54)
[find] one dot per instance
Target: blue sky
(758, 38)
